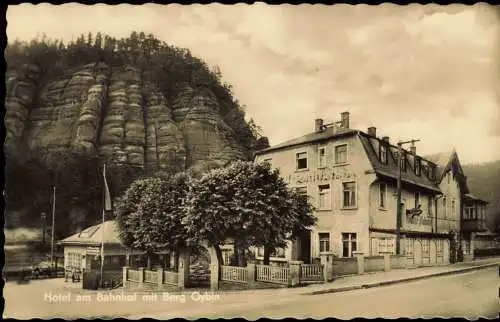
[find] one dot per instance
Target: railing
(234, 274)
(133, 275)
(170, 277)
(311, 272)
(150, 276)
(273, 274)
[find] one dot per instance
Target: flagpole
(102, 226)
(53, 226)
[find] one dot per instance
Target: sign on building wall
(320, 175)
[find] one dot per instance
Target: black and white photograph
(252, 161)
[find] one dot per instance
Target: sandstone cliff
(121, 116)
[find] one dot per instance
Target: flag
(107, 195)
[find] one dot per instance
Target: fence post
(361, 261)
(327, 262)
(295, 270)
(125, 271)
(183, 268)
(214, 276)
(141, 275)
(387, 261)
(159, 271)
(251, 270)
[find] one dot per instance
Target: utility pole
(53, 227)
(398, 209)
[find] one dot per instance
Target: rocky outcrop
(68, 111)
(21, 90)
(121, 113)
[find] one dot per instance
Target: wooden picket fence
(133, 275)
(170, 277)
(150, 276)
(311, 272)
(234, 274)
(273, 274)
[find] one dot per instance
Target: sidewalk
(367, 280)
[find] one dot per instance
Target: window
(322, 157)
(383, 153)
(402, 162)
(453, 207)
(302, 191)
(324, 196)
(431, 172)
(444, 207)
(278, 252)
(429, 206)
(324, 242)
(349, 194)
(469, 212)
(386, 244)
(341, 154)
(417, 166)
(348, 244)
(301, 160)
(417, 199)
(74, 260)
(382, 195)
(410, 245)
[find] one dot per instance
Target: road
(468, 295)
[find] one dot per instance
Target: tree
(247, 203)
(149, 214)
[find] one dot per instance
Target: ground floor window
(324, 242)
(425, 247)
(226, 255)
(410, 245)
(349, 244)
(74, 260)
(439, 247)
(382, 244)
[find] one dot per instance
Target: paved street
(469, 295)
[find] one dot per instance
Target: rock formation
(121, 114)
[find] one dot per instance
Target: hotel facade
(350, 177)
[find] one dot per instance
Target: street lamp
(398, 210)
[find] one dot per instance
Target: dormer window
(418, 167)
(402, 162)
(383, 153)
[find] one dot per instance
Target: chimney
(344, 117)
(386, 139)
(318, 124)
(372, 131)
(413, 150)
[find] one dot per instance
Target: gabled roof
(391, 169)
(92, 235)
(448, 161)
(326, 134)
(471, 197)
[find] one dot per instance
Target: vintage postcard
(222, 161)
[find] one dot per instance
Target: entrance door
(305, 247)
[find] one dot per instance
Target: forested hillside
(484, 181)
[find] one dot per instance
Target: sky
(423, 72)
